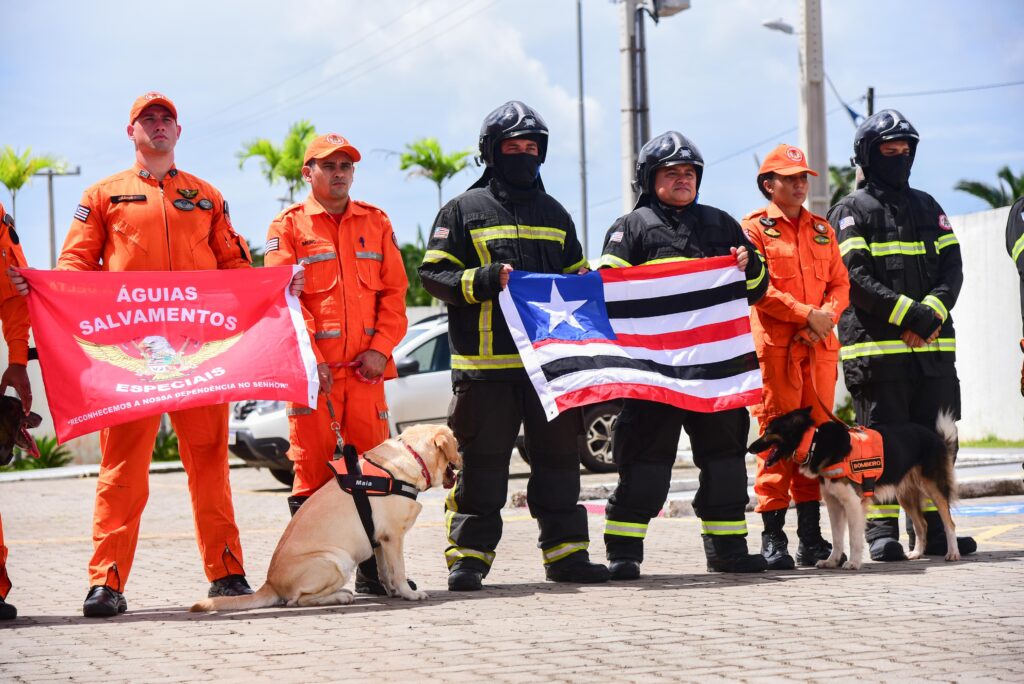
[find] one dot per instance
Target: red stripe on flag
(674, 268)
(599, 393)
(714, 332)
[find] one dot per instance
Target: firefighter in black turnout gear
(669, 224)
(898, 343)
(1015, 248)
(505, 221)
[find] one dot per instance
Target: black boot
(624, 569)
(935, 542)
(728, 553)
(368, 581)
(295, 503)
(577, 569)
(102, 601)
(813, 547)
(467, 575)
(774, 543)
(883, 537)
(7, 611)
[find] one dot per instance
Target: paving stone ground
(915, 621)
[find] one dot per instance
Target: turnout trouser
(485, 417)
(644, 446)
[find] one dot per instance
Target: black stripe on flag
(706, 371)
(677, 303)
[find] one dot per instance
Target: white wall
(988, 329)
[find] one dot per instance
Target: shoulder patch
(820, 228)
(440, 233)
(82, 213)
(767, 222)
(616, 236)
(944, 223)
(772, 232)
(273, 244)
(822, 239)
(846, 222)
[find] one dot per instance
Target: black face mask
(892, 172)
(518, 170)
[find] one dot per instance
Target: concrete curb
(79, 471)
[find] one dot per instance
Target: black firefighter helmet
(513, 119)
(881, 127)
(667, 149)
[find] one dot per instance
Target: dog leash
(356, 365)
(812, 357)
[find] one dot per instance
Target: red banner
(115, 347)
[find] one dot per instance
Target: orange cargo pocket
(369, 273)
(321, 272)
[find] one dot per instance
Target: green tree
(412, 255)
(1009, 188)
(841, 181)
(281, 162)
(257, 256)
(17, 169)
(426, 158)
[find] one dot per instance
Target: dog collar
(423, 466)
(806, 448)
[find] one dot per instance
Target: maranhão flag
(118, 346)
(677, 333)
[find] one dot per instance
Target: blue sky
(387, 72)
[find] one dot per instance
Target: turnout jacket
(1015, 244)
(472, 236)
(905, 274)
(655, 235)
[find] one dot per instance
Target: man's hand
(583, 270)
(297, 283)
(819, 322)
(18, 280)
(371, 364)
(506, 269)
(326, 378)
(742, 257)
(912, 339)
(806, 336)
(17, 377)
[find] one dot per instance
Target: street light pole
(583, 128)
(627, 50)
(812, 109)
(50, 173)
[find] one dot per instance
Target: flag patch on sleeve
(846, 222)
(82, 213)
(273, 244)
(441, 233)
(615, 237)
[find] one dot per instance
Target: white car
(422, 392)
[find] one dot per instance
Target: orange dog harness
(863, 465)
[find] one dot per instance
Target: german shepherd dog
(918, 463)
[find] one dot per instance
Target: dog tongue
(27, 443)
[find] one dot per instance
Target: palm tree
(841, 180)
(426, 158)
(996, 195)
(17, 169)
(284, 162)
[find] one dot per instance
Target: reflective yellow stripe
(752, 284)
(617, 528)
(1018, 247)
(486, 329)
(582, 263)
(467, 285)
(517, 232)
(928, 506)
(723, 527)
(883, 511)
(855, 351)
(899, 312)
(557, 553)
(897, 247)
(490, 362)
(612, 261)
(433, 256)
(459, 552)
(946, 241)
(666, 260)
(936, 304)
(852, 243)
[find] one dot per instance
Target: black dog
(912, 462)
(14, 427)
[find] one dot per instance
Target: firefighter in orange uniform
(14, 317)
(354, 307)
(796, 345)
(153, 217)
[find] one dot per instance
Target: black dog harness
(362, 479)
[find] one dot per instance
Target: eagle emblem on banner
(157, 359)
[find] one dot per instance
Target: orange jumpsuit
(353, 300)
(132, 222)
(14, 316)
(805, 272)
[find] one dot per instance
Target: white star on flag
(560, 311)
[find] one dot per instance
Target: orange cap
(326, 145)
(785, 160)
(151, 98)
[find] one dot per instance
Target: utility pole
(50, 173)
(812, 101)
(583, 127)
(630, 147)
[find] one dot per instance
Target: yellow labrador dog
(325, 540)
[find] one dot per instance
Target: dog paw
(415, 595)
(851, 565)
(914, 555)
(826, 564)
(953, 555)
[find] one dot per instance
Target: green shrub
(166, 446)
